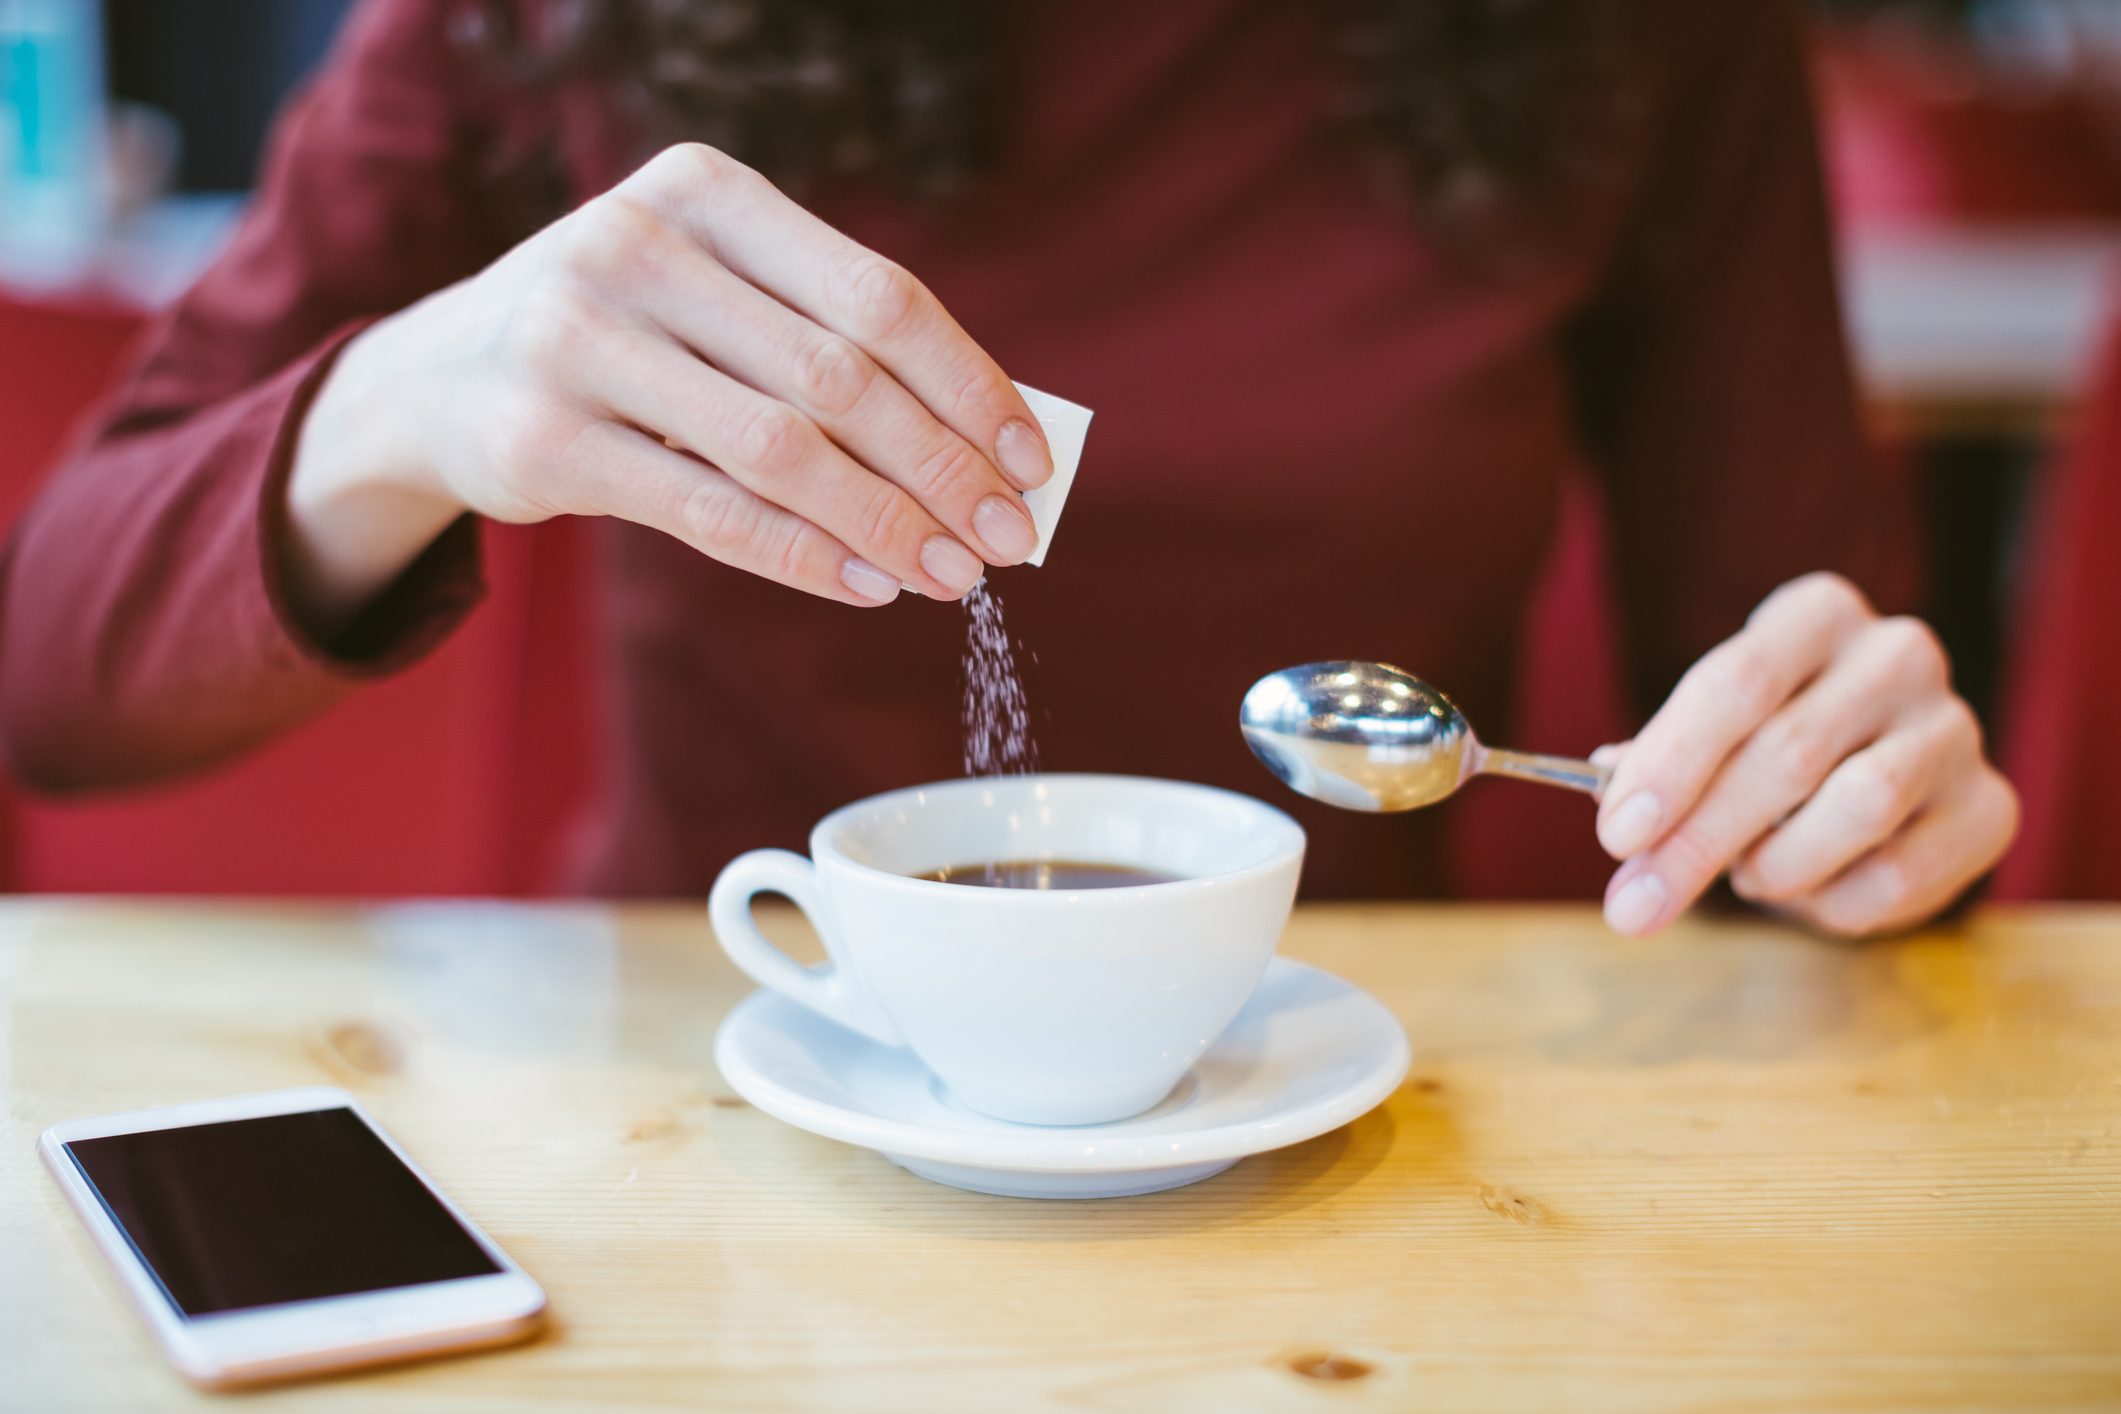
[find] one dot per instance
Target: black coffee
(1047, 874)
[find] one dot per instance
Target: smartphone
(274, 1236)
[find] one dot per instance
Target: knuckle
(693, 165)
(534, 435)
(2007, 807)
(1993, 803)
(1796, 755)
(1833, 594)
(545, 333)
(1876, 796)
(1740, 674)
(874, 297)
(1960, 719)
(1821, 595)
(832, 375)
(789, 555)
(1962, 727)
(1767, 880)
(611, 239)
(1699, 857)
(769, 439)
(1891, 891)
(718, 519)
(942, 469)
(981, 400)
(701, 162)
(1747, 883)
(887, 520)
(1912, 647)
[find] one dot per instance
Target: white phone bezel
(297, 1337)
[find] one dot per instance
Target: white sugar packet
(1066, 424)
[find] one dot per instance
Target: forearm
(145, 628)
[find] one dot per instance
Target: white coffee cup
(1069, 1006)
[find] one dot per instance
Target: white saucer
(1308, 1054)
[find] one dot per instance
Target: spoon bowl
(1372, 737)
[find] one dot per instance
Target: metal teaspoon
(1369, 736)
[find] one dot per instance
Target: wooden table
(1730, 1168)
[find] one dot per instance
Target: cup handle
(831, 989)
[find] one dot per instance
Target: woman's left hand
(1820, 757)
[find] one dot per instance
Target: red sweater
(1309, 420)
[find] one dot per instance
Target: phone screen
(255, 1212)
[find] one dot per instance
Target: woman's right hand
(691, 351)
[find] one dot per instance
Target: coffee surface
(1047, 874)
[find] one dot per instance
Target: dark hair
(1494, 114)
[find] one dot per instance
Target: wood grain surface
(1732, 1168)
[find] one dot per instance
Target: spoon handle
(1564, 771)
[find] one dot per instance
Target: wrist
(361, 438)
(363, 498)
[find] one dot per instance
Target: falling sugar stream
(997, 715)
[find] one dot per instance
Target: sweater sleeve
(143, 627)
(1713, 378)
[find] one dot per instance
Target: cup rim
(824, 845)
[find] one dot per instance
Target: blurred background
(1974, 156)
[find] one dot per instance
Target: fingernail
(1022, 453)
(951, 564)
(1003, 523)
(1633, 825)
(1605, 755)
(1637, 905)
(868, 582)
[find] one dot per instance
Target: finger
(1719, 703)
(768, 346)
(777, 453)
(772, 242)
(1926, 866)
(629, 474)
(1779, 767)
(1862, 803)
